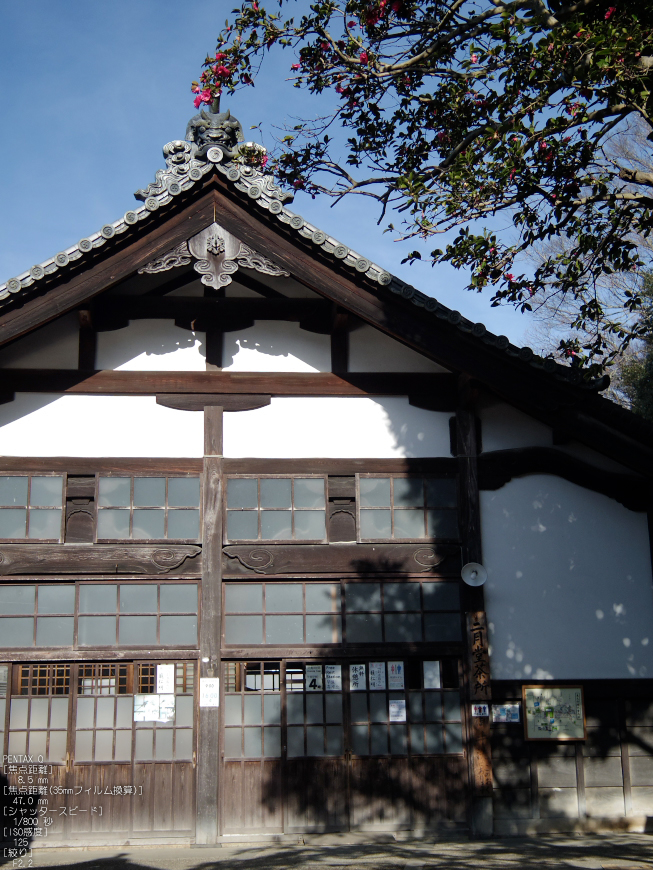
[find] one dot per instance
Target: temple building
(251, 486)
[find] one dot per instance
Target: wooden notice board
(554, 712)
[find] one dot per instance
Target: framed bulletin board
(553, 712)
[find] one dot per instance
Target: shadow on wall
(22, 405)
(569, 588)
(148, 341)
(276, 347)
(535, 780)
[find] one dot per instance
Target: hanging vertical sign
(479, 661)
(357, 681)
(333, 678)
(165, 679)
(395, 675)
(209, 692)
(314, 678)
(377, 676)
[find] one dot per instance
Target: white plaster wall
(37, 424)
(569, 592)
(373, 351)
(276, 346)
(53, 346)
(336, 428)
(504, 427)
(151, 345)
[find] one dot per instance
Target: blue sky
(89, 94)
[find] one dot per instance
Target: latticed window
(31, 506)
(276, 508)
(102, 679)
(148, 508)
(407, 508)
(44, 679)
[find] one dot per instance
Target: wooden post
(478, 687)
(208, 757)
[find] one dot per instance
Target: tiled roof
(184, 171)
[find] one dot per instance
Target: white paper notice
(357, 682)
(333, 678)
(209, 692)
(395, 675)
(432, 675)
(314, 678)
(166, 708)
(165, 679)
(377, 676)
(146, 708)
(397, 711)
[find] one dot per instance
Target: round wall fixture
(474, 574)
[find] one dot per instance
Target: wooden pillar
(477, 667)
(208, 758)
(87, 341)
(340, 342)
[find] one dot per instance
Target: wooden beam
(101, 465)
(197, 402)
(131, 383)
(208, 769)
(439, 560)
(128, 558)
(207, 310)
(500, 466)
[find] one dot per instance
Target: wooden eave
(576, 411)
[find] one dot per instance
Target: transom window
(293, 613)
(282, 613)
(31, 506)
(98, 614)
(408, 508)
(148, 508)
(276, 508)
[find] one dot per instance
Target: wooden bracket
(198, 401)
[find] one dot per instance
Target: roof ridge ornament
(211, 128)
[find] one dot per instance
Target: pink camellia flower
(202, 97)
(264, 160)
(396, 6)
(610, 12)
(364, 57)
(220, 56)
(222, 71)
(474, 58)
(296, 66)
(509, 276)
(351, 24)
